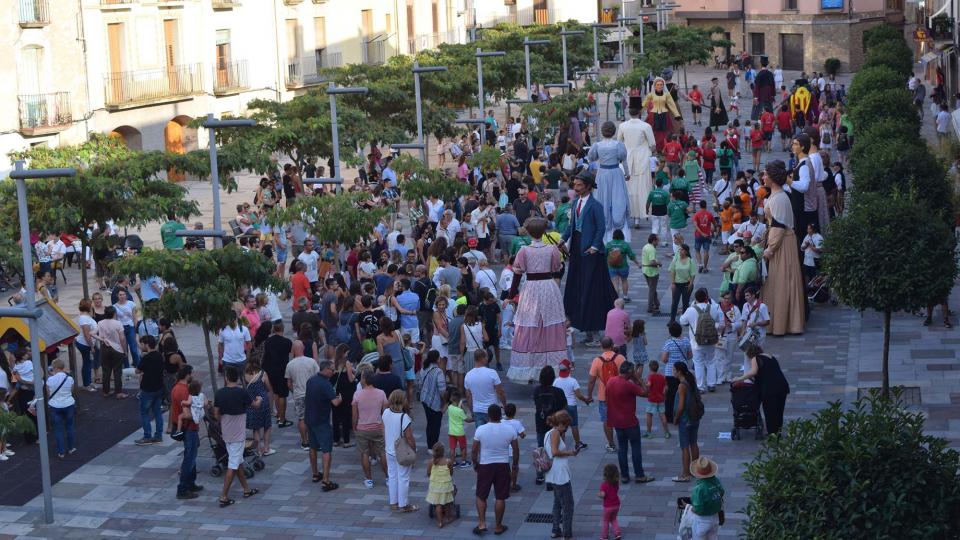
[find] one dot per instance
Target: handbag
(32, 408)
(405, 454)
(404, 354)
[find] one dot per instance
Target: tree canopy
(331, 218)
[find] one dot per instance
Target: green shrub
(831, 65)
(872, 79)
(875, 106)
(866, 472)
(883, 33)
(894, 54)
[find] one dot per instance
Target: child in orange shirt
(726, 225)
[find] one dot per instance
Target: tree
(880, 34)
(331, 218)
(420, 182)
(889, 254)
(203, 284)
(873, 79)
(682, 45)
(112, 183)
(867, 471)
(546, 114)
(875, 106)
(893, 54)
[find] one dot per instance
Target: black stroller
(745, 399)
(817, 289)
(251, 461)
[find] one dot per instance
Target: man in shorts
(297, 373)
(455, 364)
(494, 447)
(368, 406)
(230, 409)
(319, 400)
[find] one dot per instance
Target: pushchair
(745, 399)
(817, 289)
(251, 461)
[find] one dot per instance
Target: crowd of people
(535, 257)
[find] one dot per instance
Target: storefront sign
(831, 4)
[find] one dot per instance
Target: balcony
(34, 13)
(230, 78)
(941, 29)
(375, 50)
(292, 2)
(541, 16)
(225, 4)
(305, 71)
(133, 88)
(116, 4)
(44, 113)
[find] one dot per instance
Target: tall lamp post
(527, 43)
(622, 27)
(596, 59)
(563, 40)
(333, 92)
(417, 71)
(30, 312)
(480, 56)
(211, 124)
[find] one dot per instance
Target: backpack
(706, 330)
(614, 258)
(825, 139)
(608, 368)
(545, 404)
(696, 410)
(428, 297)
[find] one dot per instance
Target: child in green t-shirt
(663, 174)
(455, 419)
(677, 210)
(619, 255)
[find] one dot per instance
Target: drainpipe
(743, 25)
(82, 38)
(276, 52)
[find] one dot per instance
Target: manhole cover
(910, 395)
(539, 518)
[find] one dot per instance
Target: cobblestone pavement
(128, 491)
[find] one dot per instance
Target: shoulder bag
(406, 455)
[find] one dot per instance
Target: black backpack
(427, 294)
(545, 402)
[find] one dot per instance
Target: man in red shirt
(300, 284)
(671, 154)
(622, 393)
(187, 488)
(767, 125)
(702, 235)
(696, 102)
(709, 162)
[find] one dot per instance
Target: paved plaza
(129, 491)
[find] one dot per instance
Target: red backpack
(608, 367)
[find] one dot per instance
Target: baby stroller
(817, 290)
(745, 399)
(251, 461)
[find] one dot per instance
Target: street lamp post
(31, 313)
(563, 40)
(417, 70)
(211, 124)
(527, 42)
(622, 27)
(333, 92)
(480, 56)
(596, 59)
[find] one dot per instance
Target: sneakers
(3, 457)
(145, 441)
(465, 464)
(187, 495)
(581, 446)
(368, 484)
(177, 435)
(611, 448)
(157, 439)
(647, 435)
(666, 435)
(304, 446)
(8, 453)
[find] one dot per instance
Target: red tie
(579, 206)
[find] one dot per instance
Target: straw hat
(703, 468)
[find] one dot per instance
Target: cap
(564, 365)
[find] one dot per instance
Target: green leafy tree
(205, 285)
(420, 182)
(875, 106)
(880, 34)
(679, 46)
(893, 54)
(866, 471)
(488, 160)
(545, 115)
(874, 79)
(112, 183)
(336, 218)
(888, 256)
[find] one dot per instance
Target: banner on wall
(831, 4)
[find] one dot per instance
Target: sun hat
(703, 468)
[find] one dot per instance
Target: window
(366, 23)
(790, 4)
(757, 46)
(435, 15)
(31, 63)
(223, 49)
(320, 39)
(411, 27)
(294, 39)
(895, 5)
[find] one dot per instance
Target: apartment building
(142, 70)
(795, 34)
(486, 13)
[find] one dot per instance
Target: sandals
(315, 478)
(251, 493)
(329, 486)
(644, 479)
(478, 531)
(285, 423)
(501, 531)
(226, 502)
(409, 508)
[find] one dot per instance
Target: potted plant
(13, 424)
(831, 65)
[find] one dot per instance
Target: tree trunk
(83, 268)
(607, 111)
(213, 367)
(685, 88)
(885, 389)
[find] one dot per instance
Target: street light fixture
(31, 313)
(596, 60)
(527, 43)
(211, 124)
(622, 29)
(417, 71)
(563, 40)
(480, 56)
